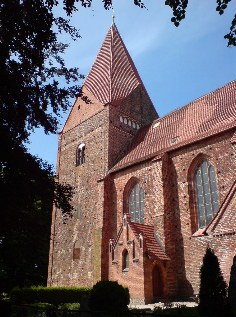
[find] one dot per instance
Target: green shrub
(51, 295)
(43, 306)
(213, 299)
(69, 306)
(109, 296)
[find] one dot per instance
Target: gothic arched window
(125, 260)
(80, 154)
(136, 204)
(206, 193)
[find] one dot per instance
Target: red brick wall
(169, 207)
(100, 202)
(105, 139)
(85, 227)
(220, 152)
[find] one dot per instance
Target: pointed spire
(113, 76)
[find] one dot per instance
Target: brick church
(150, 193)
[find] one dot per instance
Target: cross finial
(113, 16)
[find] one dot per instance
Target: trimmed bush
(109, 296)
(51, 295)
(213, 299)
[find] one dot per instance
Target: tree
(232, 287)
(213, 289)
(31, 95)
(179, 8)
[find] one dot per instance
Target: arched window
(136, 204)
(206, 193)
(125, 260)
(76, 251)
(80, 154)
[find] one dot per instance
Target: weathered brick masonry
(138, 209)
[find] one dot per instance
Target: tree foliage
(32, 71)
(213, 299)
(179, 8)
(232, 287)
(109, 296)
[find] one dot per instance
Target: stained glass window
(136, 204)
(206, 193)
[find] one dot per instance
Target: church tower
(94, 138)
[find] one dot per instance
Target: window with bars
(136, 204)
(80, 154)
(206, 193)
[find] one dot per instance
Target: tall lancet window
(80, 154)
(136, 204)
(206, 193)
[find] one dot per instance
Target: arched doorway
(157, 283)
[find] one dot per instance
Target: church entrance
(157, 283)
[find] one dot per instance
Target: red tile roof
(233, 139)
(199, 119)
(113, 75)
(153, 246)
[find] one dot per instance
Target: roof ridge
(193, 101)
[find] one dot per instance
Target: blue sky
(177, 65)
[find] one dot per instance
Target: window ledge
(125, 270)
(199, 233)
(114, 262)
(135, 260)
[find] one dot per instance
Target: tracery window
(125, 260)
(136, 204)
(80, 154)
(206, 193)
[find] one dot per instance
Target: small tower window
(125, 260)
(80, 154)
(76, 251)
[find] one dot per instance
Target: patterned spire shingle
(113, 76)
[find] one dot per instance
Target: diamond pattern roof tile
(113, 75)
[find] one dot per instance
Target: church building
(150, 193)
